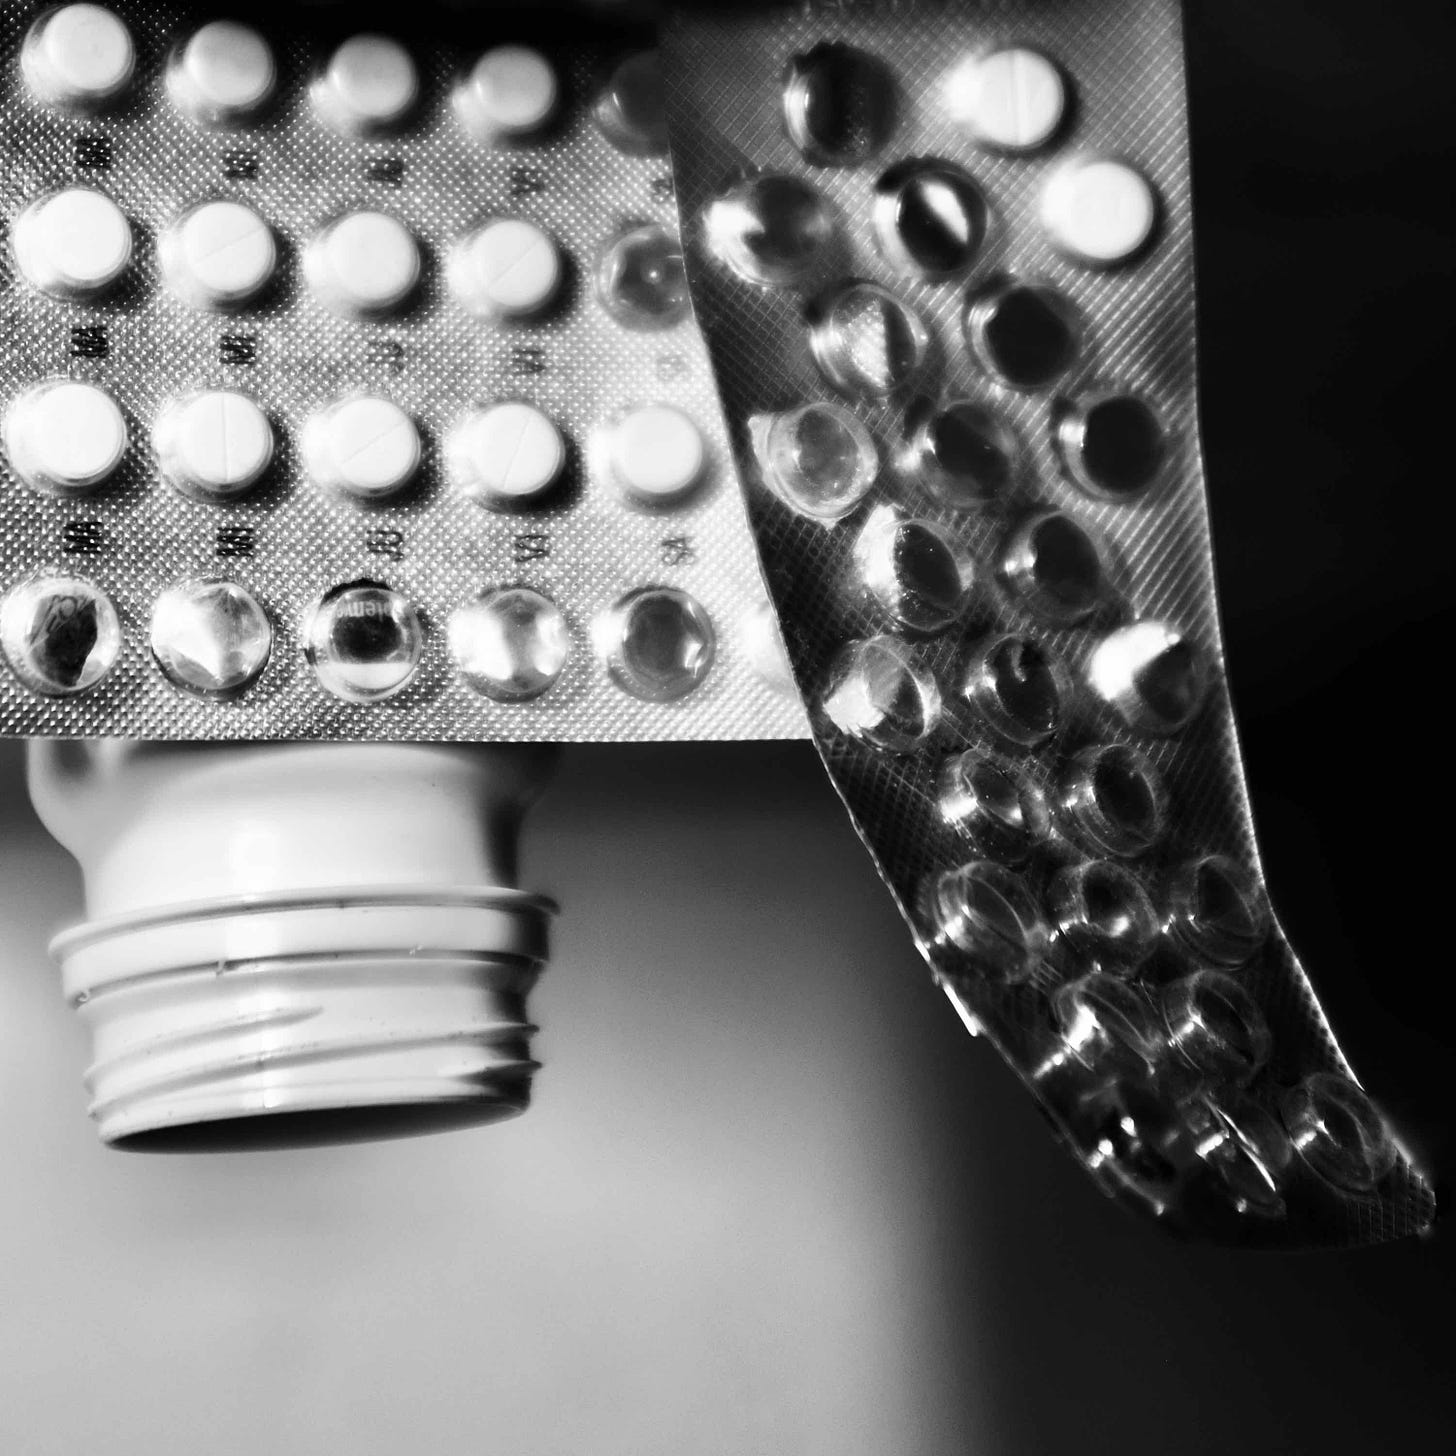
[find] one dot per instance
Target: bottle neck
(297, 942)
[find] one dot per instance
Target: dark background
(1323, 145)
(717, 893)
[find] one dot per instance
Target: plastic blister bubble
(1018, 687)
(990, 915)
(1113, 444)
(961, 452)
(839, 104)
(879, 694)
(1338, 1132)
(867, 342)
(1112, 798)
(1216, 1027)
(996, 807)
(1217, 910)
(60, 634)
(1104, 1028)
(915, 573)
(640, 278)
(510, 643)
(1130, 1141)
(931, 219)
(1245, 1152)
(1104, 915)
(1151, 674)
(771, 230)
(1024, 332)
(819, 458)
(1055, 566)
(658, 643)
(363, 641)
(211, 637)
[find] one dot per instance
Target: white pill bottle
(297, 943)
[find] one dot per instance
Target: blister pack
(942, 256)
(349, 389)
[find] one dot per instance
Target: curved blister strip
(1046, 771)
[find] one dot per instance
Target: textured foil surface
(288, 541)
(1132, 1129)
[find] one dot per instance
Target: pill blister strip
(287, 541)
(1148, 1045)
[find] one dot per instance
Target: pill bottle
(297, 943)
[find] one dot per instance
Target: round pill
(363, 446)
(631, 109)
(641, 280)
(1099, 211)
(363, 641)
(505, 455)
(657, 455)
(509, 643)
(64, 437)
(369, 85)
(218, 255)
(210, 637)
(507, 268)
(72, 244)
(658, 643)
(60, 634)
(763, 646)
(363, 265)
(78, 57)
(510, 91)
(1012, 99)
(213, 445)
(224, 75)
